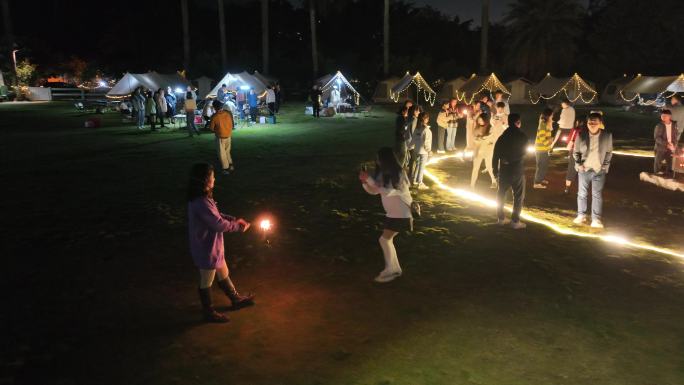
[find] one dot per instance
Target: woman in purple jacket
(206, 227)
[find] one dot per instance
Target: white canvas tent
(611, 93)
(382, 91)
(328, 82)
(203, 85)
(267, 80)
(574, 88)
(151, 81)
(479, 85)
(237, 81)
(519, 89)
(652, 87)
(450, 88)
(404, 89)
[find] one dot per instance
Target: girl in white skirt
(390, 181)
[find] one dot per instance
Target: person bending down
(206, 226)
(390, 182)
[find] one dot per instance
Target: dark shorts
(398, 224)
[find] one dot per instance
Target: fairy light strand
(575, 83)
(609, 238)
(417, 80)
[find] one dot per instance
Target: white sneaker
(597, 224)
(502, 222)
(539, 186)
(440, 151)
(423, 186)
(387, 276)
(518, 225)
(579, 220)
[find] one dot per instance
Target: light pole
(14, 61)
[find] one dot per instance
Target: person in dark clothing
(316, 101)
(402, 137)
(509, 169)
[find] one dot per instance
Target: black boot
(210, 315)
(238, 301)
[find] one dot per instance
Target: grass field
(98, 286)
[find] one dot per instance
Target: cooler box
(262, 120)
(271, 119)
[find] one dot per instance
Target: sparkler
(558, 228)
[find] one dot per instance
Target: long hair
(197, 183)
(483, 130)
(546, 115)
(421, 120)
(388, 170)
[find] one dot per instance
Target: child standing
(421, 148)
(542, 146)
(391, 183)
(190, 106)
(206, 226)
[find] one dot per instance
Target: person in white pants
(471, 123)
(391, 183)
(483, 145)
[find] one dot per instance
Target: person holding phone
(206, 225)
(390, 182)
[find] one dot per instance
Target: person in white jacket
(483, 148)
(390, 182)
(421, 147)
(162, 105)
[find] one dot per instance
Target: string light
(677, 84)
(610, 238)
(576, 83)
(340, 77)
(421, 85)
(491, 84)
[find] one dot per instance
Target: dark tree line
(603, 41)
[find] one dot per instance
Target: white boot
(392, 268)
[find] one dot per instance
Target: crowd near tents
(239, 81)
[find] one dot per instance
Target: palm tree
(186, 34)
(543, 35)
(264, 35)
(484, 37)
(385, 46)
(314, 37)
(222, 32)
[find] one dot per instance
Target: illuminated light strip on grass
(476, 198)
(636, 154)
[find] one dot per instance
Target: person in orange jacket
(222, 125)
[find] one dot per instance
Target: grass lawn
(98, 286)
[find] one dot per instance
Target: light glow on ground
(471, 196)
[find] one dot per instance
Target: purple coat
(206, 226)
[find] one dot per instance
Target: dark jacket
(605, 149)
(509, 152)
(660, 136)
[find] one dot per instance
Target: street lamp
(14, 60)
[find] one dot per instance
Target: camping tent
(203, 85)
(611, 93)
(328, 82)
(477, 85)
(574, 88)
(519, 88)
(151, 81)
(243, 80)
(267, 80)
(450, 88)
(653, 86)
(404, 84)
(382, 91)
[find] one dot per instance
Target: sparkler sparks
(558, 228)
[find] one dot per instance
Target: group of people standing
(156, 108)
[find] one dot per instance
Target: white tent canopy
(477, 85)
(382, 91)
(237, 81)
(450, 88)
(658, 85)
(328, 82)
(267, 80)
(151, 81)
(417, 80)
(574, 88)
(519, 88)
